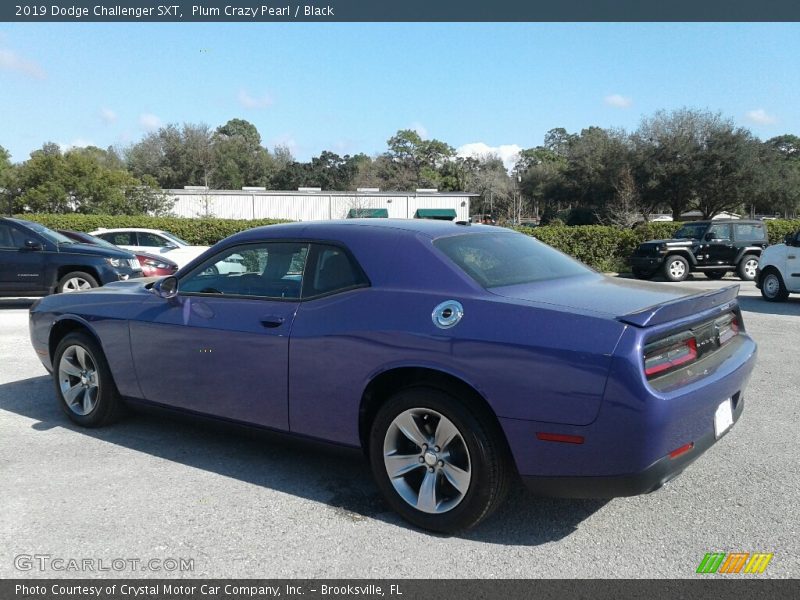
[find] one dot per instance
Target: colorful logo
(735, 562)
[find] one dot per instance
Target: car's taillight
(665, 355)
(728, 328)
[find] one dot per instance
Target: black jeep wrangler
(713, 247)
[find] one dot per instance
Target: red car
(152, 264)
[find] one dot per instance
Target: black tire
(676, 268)
(107, 405)
(772, 286)
(747, 267)
(715, 274)
(75, 281)
(478, 446)
(642, 274)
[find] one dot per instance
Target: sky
(347, 88)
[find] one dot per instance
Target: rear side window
(151, 239)
(331, 270)
(119, 238)
(11, 237)
(496, 260)
(750, 232)
(720, 231)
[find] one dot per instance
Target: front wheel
(436, 464)
(747, 267)
(676, 268)
(76, 281)
(772, 287)
(84, 386)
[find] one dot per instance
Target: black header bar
(266, 11)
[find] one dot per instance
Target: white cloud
(108, 115)
(420, 129)
(760, 117)
(11, 61)
(618, 101)
(508, 153)
(76, 143)
(149, 121)
(248, 101)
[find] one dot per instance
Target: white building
(311, 204)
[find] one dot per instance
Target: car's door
(123, 239)
(327, 365)
(719, 245)
(22, 264)
(221, 347)
(793, 265)
(154, 243)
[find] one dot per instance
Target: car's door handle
(272, 322)
(791, 256)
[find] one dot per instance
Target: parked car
(495, 356)
(156, 241)
(779, 269)
(711, 247)
(35, 261)
(152, 265)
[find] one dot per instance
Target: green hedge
(604, 248)
(201, 232)
(607, 248)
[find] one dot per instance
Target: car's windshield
(175, 238)
(499, 259)
(53, 236)
(691, 231)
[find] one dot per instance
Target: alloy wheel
(78, 380)
(427, 460)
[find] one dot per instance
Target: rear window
(750, 231)
(500, 259)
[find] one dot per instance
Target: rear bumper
(643, 482)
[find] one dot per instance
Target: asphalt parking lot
(248, 506)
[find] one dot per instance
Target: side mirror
(32, 245)
(170, 247)
(166, 288)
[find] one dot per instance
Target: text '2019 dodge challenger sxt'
(458, 357)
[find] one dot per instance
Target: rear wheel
(676, 268)
(76, 281)
(772, 287)
(715, 274)
(435, 463)
(84, 386)
(747, 267)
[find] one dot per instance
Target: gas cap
(447, 314)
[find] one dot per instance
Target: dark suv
(713, 247)
(35, 261)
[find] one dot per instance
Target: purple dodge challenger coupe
(459, 357)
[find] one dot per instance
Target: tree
(778, 186)
(239, 158)
(83, 180)
(669, 146)
(175, 156)
(412, 162)
(6, 181)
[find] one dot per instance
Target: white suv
(779, 269)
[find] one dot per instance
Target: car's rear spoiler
(682, 307)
